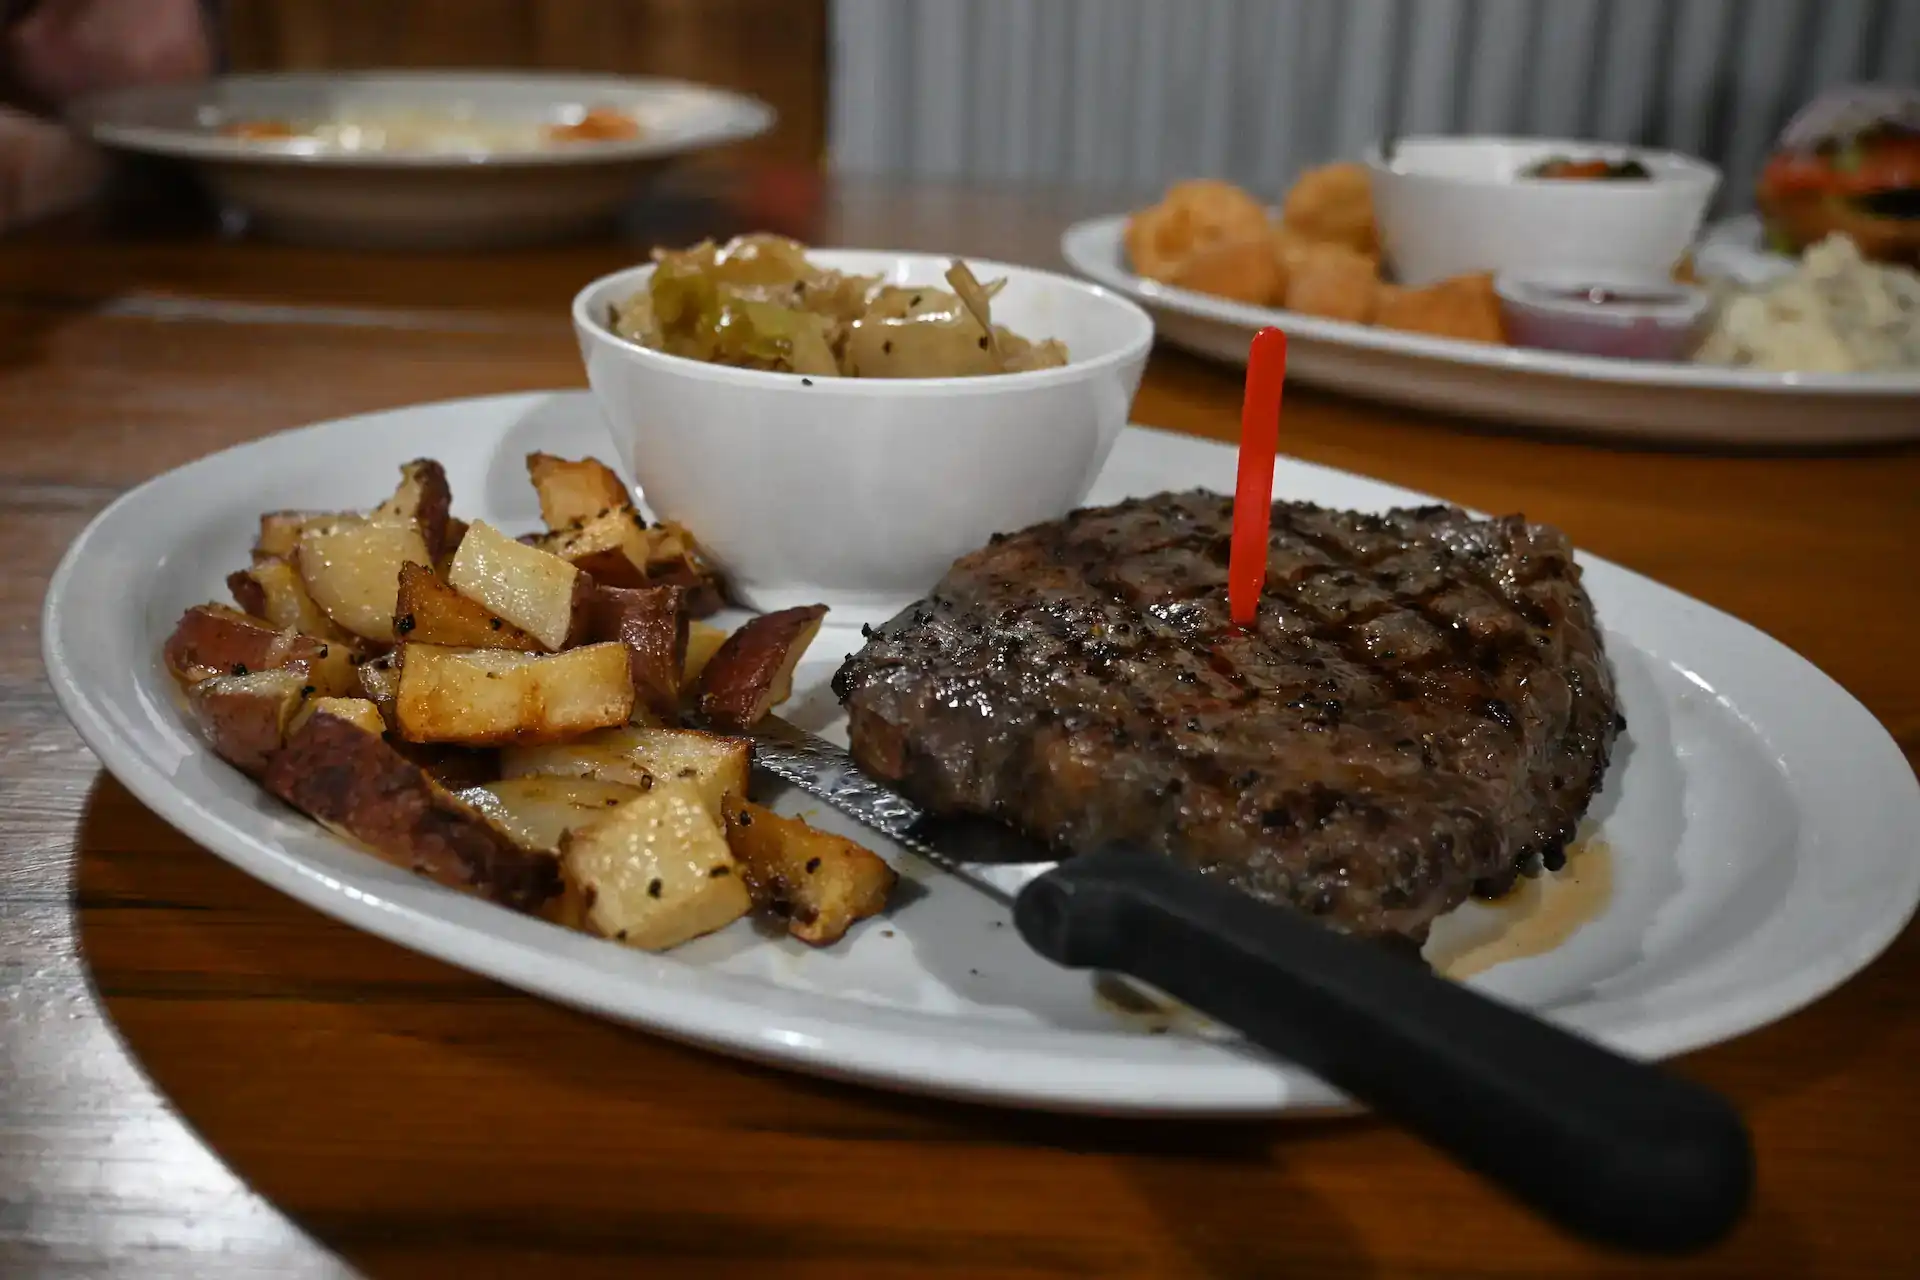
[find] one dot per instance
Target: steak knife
(1621, 1152)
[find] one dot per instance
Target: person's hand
(64, 48)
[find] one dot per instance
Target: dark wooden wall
(773, 49)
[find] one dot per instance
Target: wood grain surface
(199, 1077)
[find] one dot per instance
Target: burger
(1849, 162)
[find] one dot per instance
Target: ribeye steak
(1423, 707)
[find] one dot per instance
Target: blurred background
(1128, 94)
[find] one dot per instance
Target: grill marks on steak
(1422, 708)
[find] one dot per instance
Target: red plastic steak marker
(1253, 492)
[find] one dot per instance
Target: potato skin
(423, 497)
(611, 546)
(245, 717)
(752, 672)
(652, 623)
(435, 505)
(337, 772)
(214, 640)
(247, 593)
(272, 588)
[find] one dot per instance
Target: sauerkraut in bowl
(758, 302)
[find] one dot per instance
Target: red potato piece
(247, 593)
(280, 530)
(456, 530)
(455, 768)
(273, 589)
(379, 681)
(703, 641)
(573, 492)
(428, 611)
(356, 784)
(491, 697)
(612, 547)
(213, 640)
(752, 673)
(534, 590)
(424, 500)
(352, 571)
(360, 711)
(245, 718)
(652, 623)
(674, 559)
(819, 882)
(639, 755)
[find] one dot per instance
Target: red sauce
(1602, 296)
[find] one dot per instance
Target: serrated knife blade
(988, 855)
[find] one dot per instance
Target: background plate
(420, 199)
(1636, 400)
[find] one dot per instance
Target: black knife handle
(1616, 1150)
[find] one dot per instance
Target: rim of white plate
(1055, 1069)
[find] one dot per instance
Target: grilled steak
(1421, 711)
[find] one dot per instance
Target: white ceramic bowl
(1447, 206)
(859, 492)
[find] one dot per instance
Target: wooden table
(199, 1077)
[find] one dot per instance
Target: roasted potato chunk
(456, 530)
(703, 641)
(246, 717)
(572, 493)
(533, 589)
(214, 640)
(490, 697)
(423, 500)
(352, 571)
(455, 768)
(674, 560)
(247, 594)
(379, 682)
(280, 530)
(652, 623)
(537, 812)
(355, 783)
(716, 766)
(272, 589)
(428, 611)
(752, 673)
(821, 883)
(356, 711)
(655, 871)
(611, 546)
